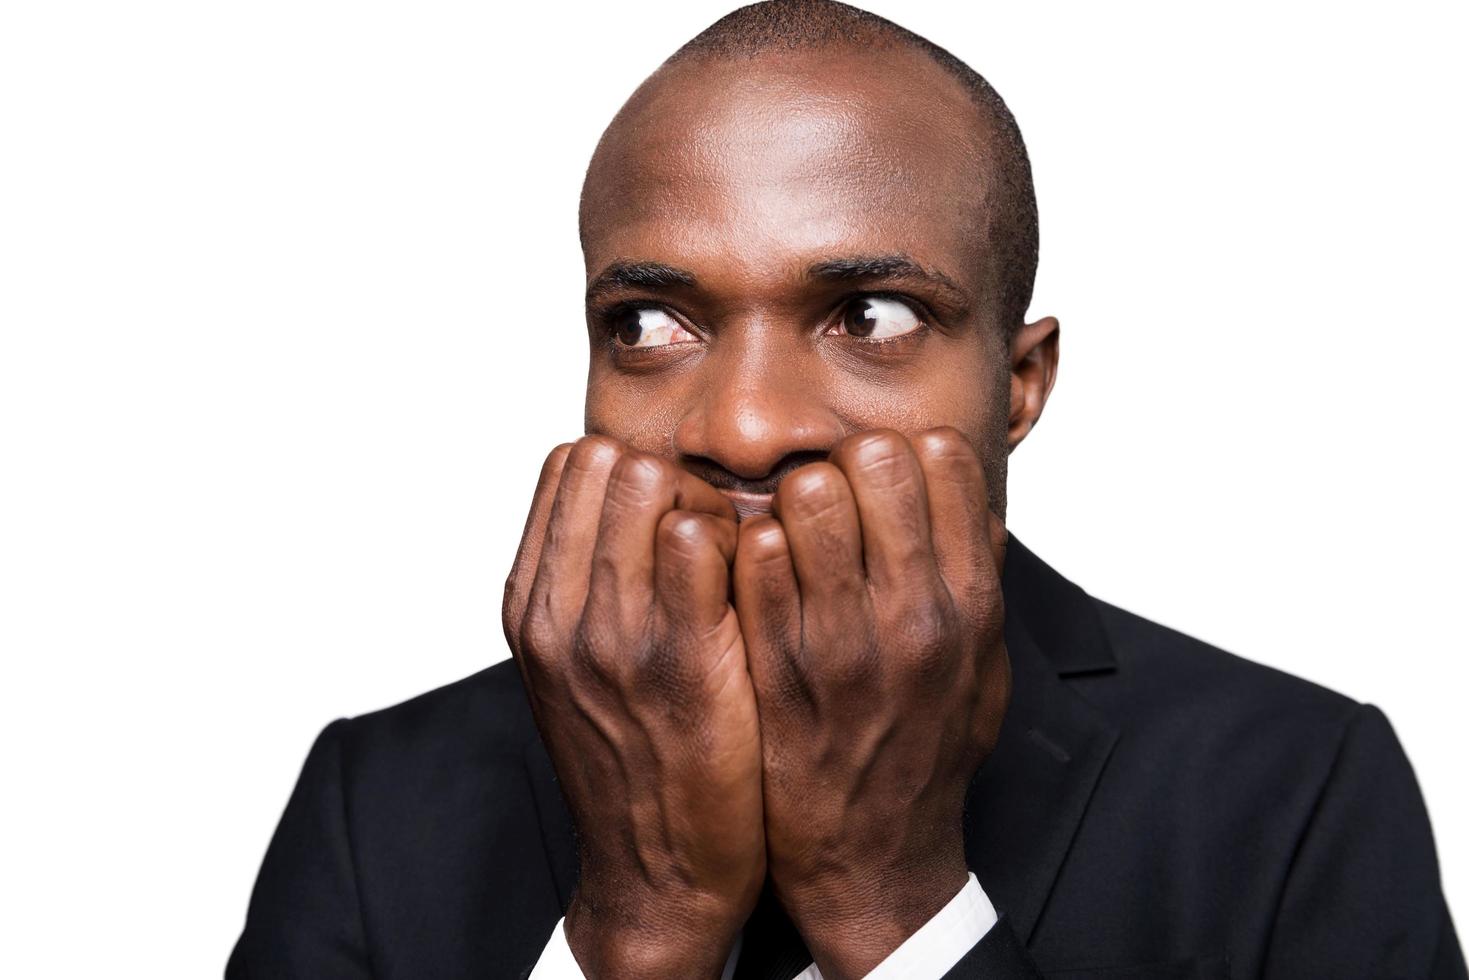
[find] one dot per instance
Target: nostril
(728, 474)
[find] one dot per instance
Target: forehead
(787, 157)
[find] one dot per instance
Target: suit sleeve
(1362, 897)
(998, 956)
(304, 918)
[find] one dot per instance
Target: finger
(818, 514)
(692, 493)
(892, 504)
(559, 588)
(528, 555)
(692, 558)
(768, 601)
(958, 508)
(641, 490)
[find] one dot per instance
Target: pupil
(861, 321)
(629, 327)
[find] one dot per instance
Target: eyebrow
(638, 275)
(894, 267)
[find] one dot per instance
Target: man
(786, 696)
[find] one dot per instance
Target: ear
(1034, 353)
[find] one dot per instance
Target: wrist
(852, 925)
(672, 938)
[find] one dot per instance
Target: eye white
(876, 318)
(648, 327)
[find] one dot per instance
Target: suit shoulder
(440, 814)
(1177, 678)
(1232, 745)
(486, 712)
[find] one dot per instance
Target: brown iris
(860, 318)
(629, 326)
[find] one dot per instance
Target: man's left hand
(871, 609)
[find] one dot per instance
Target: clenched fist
(617, 610)
(873, 619)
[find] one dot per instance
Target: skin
(757, 608)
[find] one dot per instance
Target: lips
(748, 505)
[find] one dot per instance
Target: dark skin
(757, 608)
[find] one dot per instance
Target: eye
(878, 318)
(645, 326)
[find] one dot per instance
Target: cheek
(967, 392)
(970, 394)
(641, 412)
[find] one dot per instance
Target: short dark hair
(1014, 228)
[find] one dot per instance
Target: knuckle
(910, 554)
(556, 458)
(922, 627)
(683, 532)
(874, 444)
(811, 490)
(943, 442)
(508, 602)
(593, 453)
(539, 637)
(630, 656)
(762, 540)
(638, 475)
(606, 569)
(882, 454)
(593, 650)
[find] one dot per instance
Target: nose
(760, 406)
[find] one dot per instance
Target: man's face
(786, 250)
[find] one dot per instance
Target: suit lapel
(1028, 800)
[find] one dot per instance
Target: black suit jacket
(1155, 808)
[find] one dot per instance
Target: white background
(290, 306)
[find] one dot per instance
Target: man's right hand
(617, 610)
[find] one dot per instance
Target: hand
(871, 608)
(617, 610)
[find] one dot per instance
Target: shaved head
(807, 223)
(998, 190)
